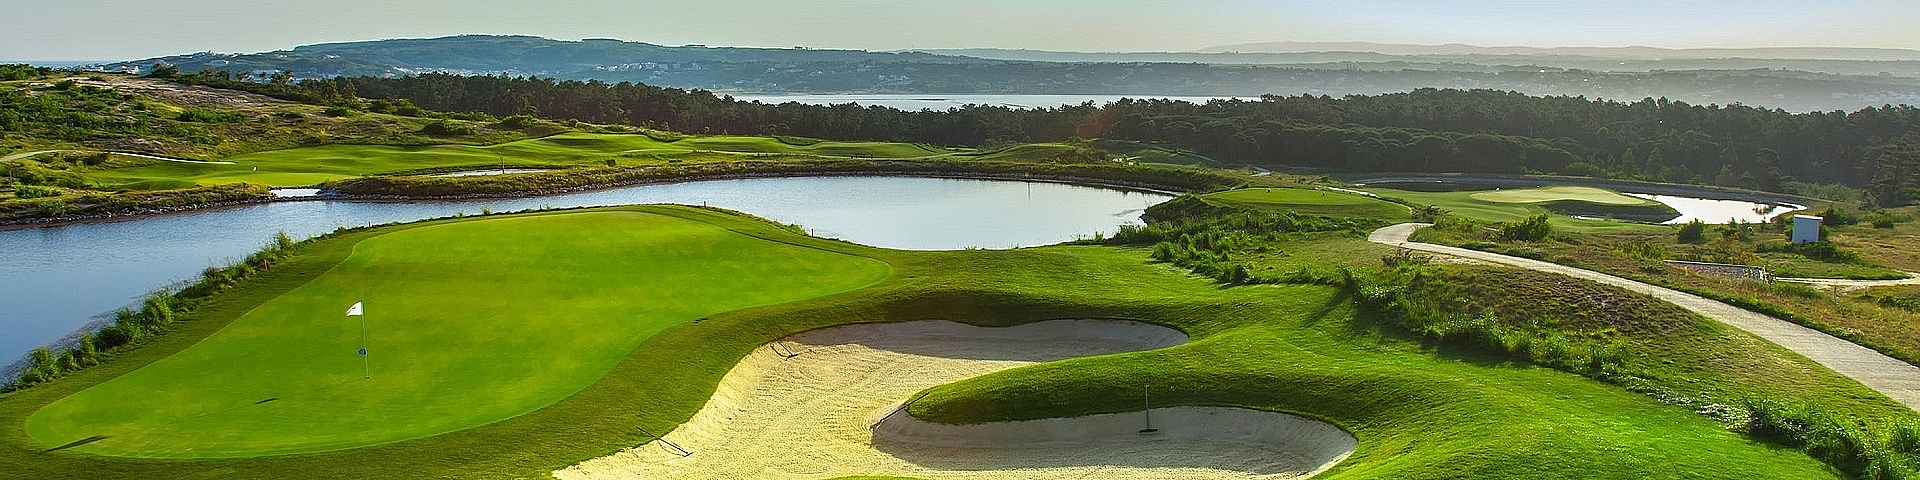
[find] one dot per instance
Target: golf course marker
(366, 366)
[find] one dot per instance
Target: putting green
(1560, 193)
(1310, 202)
(467, 323)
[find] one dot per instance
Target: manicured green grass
(312, 165)
(468, 323)
(1309, 202)
(1418, 412)
(1559, 193)
(1465, 204)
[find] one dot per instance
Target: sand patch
(826, 413)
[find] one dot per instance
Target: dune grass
(1309, 202)
(521, 312)
(312, 165)
(1419, 412)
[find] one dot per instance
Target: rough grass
(1639, 255)
(519, 311)
(1419, 413)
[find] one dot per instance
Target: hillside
(1795, 84)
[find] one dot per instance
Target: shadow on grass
(76, 443)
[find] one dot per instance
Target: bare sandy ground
(1893, 378)
(831, 411)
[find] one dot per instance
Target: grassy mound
(520, 312)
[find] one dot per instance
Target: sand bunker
(829, 412)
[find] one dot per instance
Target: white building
(1806, 228)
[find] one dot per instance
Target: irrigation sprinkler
(1148, 398)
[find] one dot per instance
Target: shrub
(1533, 229)
(518, 121)
(30, 191)
(445, 128)
(1694, 232)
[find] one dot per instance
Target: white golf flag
(355, 310)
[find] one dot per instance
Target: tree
(164, 70)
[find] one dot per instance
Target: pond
(1718, 211)
(1709, 210)
(60, 278)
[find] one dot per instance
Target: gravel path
(1894, 378)
(831, 410)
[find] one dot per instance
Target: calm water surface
(58, 278)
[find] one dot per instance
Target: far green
(466, 323)
(1509, 205)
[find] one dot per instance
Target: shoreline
(107, 217)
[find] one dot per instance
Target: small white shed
(1806, 228)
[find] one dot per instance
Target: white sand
(825, 413)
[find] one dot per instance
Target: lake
(60, 278)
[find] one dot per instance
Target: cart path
(1891, 377)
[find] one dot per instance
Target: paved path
(1894, 378)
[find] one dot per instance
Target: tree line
(1426, 130)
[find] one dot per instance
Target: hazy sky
(127, 29)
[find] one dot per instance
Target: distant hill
(1794, 84)
(1774, 53)
(508, 54)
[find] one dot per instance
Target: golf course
(520, 345)
(464, 287)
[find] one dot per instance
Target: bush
(30, 191)
(1533, 229)
(446, 128)
(1694, 232)
(518, 121)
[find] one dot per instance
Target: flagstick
(366, 366)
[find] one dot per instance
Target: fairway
(467, 323)
(312, 165)
(1309, 202)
